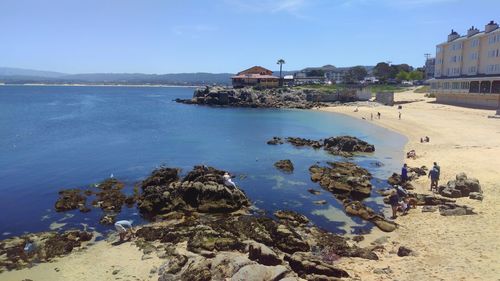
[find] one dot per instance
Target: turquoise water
(54, 137)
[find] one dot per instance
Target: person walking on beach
(378, 115)
(227, 180)
(400, 115)
(404, 173)
(434, 175)
(124, 227)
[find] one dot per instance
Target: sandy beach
(448, 248)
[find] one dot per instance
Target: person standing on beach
(394, 201)
(436, 166)
(434, 175)
(400, 115)
(378, 115)
(404, 173)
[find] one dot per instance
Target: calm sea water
(62, 137)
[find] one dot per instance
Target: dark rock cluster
(248, 97)
(350, 183)
(284, 165)
(344, 146)
(202, 190)
(23, 251)
(109, 197)
(462, 187)
(234, 246)
(343, 178)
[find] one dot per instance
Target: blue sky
(164, 36)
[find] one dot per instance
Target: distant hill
(25, 76)
(19, 72)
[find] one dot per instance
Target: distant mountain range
(26, 76)
(9, 75)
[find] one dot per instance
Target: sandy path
(449, 248)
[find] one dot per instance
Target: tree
(355, 74)
(416, 75)
(281, 62)
(403, 75)
(382, 71)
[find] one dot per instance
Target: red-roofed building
(255, 76)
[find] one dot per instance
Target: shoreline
(448, 248)
(456, 258)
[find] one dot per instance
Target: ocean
(57, 137)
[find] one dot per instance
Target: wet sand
(448, 248)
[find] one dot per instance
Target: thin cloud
(292, 7)
(406, 4)
(192, 30)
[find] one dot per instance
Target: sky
(174, 36)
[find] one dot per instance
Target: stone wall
(385, 98)
(489, 101)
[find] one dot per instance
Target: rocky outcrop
(349, 182)
(460, 187)
(343, 178)
(110, 196)
(243, 247)
(70, 199)
(202, 190)
(24, 251)
(299, 142)
(275, 141)
(284, 165)
(248, 97)
(413, 174)
(346, 144)
(451, 209)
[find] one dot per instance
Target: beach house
(255, 76)
(467, 68)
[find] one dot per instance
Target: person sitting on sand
(227, 180)
(427, 139)
(124, 227)
(404, 173)
(394, 201)
(411, 154)
(434, 175)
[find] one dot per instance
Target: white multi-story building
(467, 68)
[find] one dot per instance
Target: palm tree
(281, 62)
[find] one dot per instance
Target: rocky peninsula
(249, 97)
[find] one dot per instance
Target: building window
(474, 43)
(485, 87)
(474, 56)
(474, 87)
(492, 39)
(446, 85)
